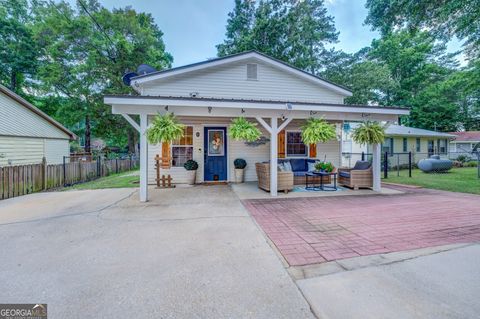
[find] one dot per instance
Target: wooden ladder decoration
(163, 181)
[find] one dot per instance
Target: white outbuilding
(28, 134)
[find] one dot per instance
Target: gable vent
(251, 71)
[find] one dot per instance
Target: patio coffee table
(321, 187)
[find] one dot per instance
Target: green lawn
(126, 179)
(462, 180)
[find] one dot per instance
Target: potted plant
(324, 167)
(240, 165)
(191, 166)
(243, 130)
(317, 130)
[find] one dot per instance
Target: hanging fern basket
(242, 130)
(317, 130)
(164, 128)
(369, 132)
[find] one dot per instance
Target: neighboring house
(400, 140)
(464, 143)
(27, 134)
(206, 96)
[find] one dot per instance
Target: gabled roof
(470, 136)
(35, 110)
(239, 57)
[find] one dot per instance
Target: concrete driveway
(189, 253)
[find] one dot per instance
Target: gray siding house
(27, 134)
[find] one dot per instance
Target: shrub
(471, 164)
(463, 158)
(190, 165)
(317, 130)
(239, 163)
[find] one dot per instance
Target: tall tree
(290, 30)
(444, 17)
(87, 50)
(415, 60)
(18, 51)
(369, 81)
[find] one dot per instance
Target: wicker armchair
(284, 179)
(360, 176)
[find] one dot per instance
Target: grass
(120, 180)
(463, 180)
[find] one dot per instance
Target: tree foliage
(84, 53)
(289, 30)
(18, 50)
(444, 17)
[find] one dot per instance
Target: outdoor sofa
(360, 176)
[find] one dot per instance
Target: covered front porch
(273, 117)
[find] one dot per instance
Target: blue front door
(215, 154)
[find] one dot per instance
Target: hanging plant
(164, 128)
(369, 132)
(317, 130)
(243, 130)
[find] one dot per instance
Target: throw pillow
(287, 166)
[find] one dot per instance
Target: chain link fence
(403, 163)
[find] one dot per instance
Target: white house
(464, 143)
(27, 134)
(206, 96)
(400, 140)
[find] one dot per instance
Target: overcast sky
(192, 28)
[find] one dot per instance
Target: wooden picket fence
(26, 179)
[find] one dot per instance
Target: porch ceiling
(212, 107)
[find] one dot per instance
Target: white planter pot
(239, 173)
(191, 177)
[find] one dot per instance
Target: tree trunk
(87, 134)
(131, 140)
(13, 81)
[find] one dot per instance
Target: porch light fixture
(166, 108)
(243, 110)
(209, 109)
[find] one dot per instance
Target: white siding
(55, 150)
(30, 150)
(17, 120)
(235, 149)
(20, 150)
(230, 81)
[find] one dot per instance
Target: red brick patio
(315, 230)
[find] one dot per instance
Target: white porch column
(376, 168)
(143, 158)
(273, 155)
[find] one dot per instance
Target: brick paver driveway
(315, 230)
